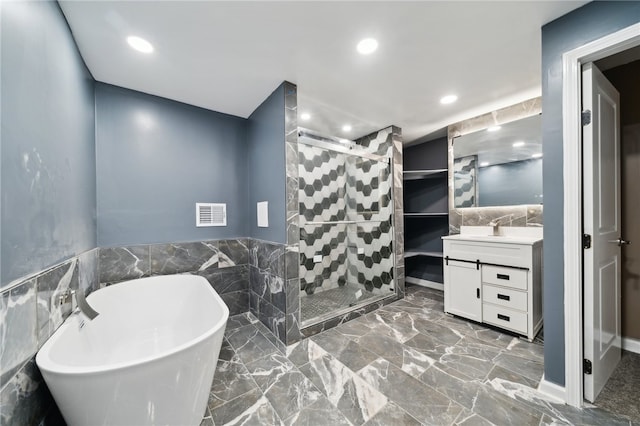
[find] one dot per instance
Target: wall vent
(209, 214)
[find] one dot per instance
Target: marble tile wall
(523, 215)
(292, 248)
(398, 213)
(29, 315)
(225, 263)
(269, 295)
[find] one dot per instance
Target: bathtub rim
(46, 364)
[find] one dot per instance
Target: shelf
(423, 174)
(410, 253)
(426, 207)
(425, 214)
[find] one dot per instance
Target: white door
(602, 262)
(462, 286)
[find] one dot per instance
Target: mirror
(500, 165)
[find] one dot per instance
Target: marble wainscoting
(405, 364)
(274, 298)
(29, 315)
(225, 263)
(249, 275)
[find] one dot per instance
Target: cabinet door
(462, 290)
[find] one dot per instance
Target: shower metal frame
(346, 146)
(343, 146)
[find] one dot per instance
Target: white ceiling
(229, 56)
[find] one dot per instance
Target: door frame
(572, 199)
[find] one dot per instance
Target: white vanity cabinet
(495, 280)
(464, 280)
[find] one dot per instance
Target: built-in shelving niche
(426, 208)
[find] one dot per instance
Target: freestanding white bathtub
(148, 358)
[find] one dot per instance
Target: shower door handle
(334, 222)
(341, 222)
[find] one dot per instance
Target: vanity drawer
(505, 318)
(506, 297)
(508, 277)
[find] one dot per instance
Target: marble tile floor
(404, 364)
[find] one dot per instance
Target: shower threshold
(319, 307)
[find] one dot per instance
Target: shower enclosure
(346, 226)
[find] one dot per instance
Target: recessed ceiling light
(518, 144)
(484, 164)
(305, 116)
(140, 44)
(493, 128)
(538, 155)
(346, 128)
(449, 99)
(367, 46)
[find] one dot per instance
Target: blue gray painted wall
(586, 24)
(508, 184)
(155, 159)
(266, 168)
(47, 142)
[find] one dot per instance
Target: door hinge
(586, 366)
(586, 117)
(586, 241)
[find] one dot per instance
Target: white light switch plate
(360, 250)
(263, 214)
(317, 258)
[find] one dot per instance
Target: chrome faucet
(495, 223)
(80, 302)
(496, 227)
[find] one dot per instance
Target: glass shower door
(346, 229)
